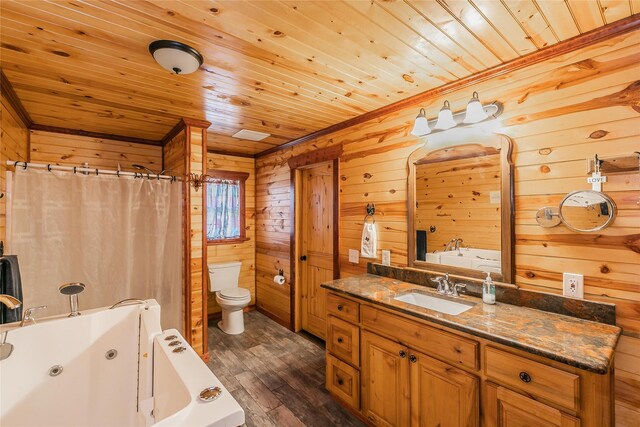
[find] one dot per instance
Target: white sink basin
(432, 303)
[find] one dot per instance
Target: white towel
(369, 245)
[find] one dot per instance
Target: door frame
(296, 165)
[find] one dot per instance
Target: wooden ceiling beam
(597, 35)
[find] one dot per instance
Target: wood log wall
(244, 252)
(14, 145)
(559, 113)
(455, 197)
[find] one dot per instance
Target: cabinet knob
(340, 340)
(340, 307)
(413, 359)
(403, 354)
(303, 258)
(340, 382)
(525, 377)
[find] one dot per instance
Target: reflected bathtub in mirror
(460, 208)
(587, 211)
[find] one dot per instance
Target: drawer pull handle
(402, 354)
(340, 382)
(340, 307)
(525, 377)
(340, 340)
(413, 359)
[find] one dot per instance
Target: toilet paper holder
(279, 279)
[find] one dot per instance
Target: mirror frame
(506, 207)
(612, 215)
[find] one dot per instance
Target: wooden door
(506, 408)
(385, 381)
(442, 395)
(316, 252)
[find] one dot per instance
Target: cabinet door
(385, 381)
(442, 395)
(506, 408)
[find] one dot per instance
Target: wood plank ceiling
(280, 67)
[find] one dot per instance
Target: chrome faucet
(28, 317)
(454, 245)
(445, 287)
(458, 242)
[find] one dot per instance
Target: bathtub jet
(72, 289)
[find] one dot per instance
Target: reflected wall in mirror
(587, 211)
(461, 208)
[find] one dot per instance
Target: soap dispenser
(488, 290)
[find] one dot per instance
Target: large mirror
(460, 208)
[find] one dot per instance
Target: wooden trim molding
(14, 101)
(231, 153)
(597, 35)
(233, 176)
(296, 163)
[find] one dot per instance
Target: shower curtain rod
(88, 171)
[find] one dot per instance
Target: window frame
(231, 176)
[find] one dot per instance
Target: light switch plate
(354, 256)
(573, 285)
(386, 257)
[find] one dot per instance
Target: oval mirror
(587, 210)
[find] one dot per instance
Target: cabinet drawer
(448, 347)
(343, 340)
(343, 381)
(343, 308)
(534, 378)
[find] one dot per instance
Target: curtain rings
(74, 170)
(24, 165)
(49, 167)
(97, 173)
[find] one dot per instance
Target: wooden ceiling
(284, 68)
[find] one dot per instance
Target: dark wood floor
(277, 376)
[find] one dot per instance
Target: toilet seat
(234, 294)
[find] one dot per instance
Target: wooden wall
(243, 251)
(74, 150)
(14, 145)
(454, 196)
(559, 113)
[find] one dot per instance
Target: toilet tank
(224, 275)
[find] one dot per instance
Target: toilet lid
(235, 293)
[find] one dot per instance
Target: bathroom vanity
(395, 363)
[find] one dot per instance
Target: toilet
(223, 280)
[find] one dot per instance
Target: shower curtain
(119, 236)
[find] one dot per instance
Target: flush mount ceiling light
(474, 113)
(175, 56)
(251, 135)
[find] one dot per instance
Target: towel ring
(372, 219)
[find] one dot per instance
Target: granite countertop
(580, 343)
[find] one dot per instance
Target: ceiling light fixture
(175, 56)
(474, 113)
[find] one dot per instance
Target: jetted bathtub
(108, 367)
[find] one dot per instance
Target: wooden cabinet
(506, 408)
(395, 370)
(385, 381)
(402, 387)
(442, 395)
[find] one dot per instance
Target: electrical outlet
(573, 285)
(386, 257)
(354, 256)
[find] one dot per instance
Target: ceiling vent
(251, 135)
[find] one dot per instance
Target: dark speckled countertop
(581, 343)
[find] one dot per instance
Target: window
(225, 206)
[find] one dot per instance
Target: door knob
(413, 359)
(402, 354)
(303, 258)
